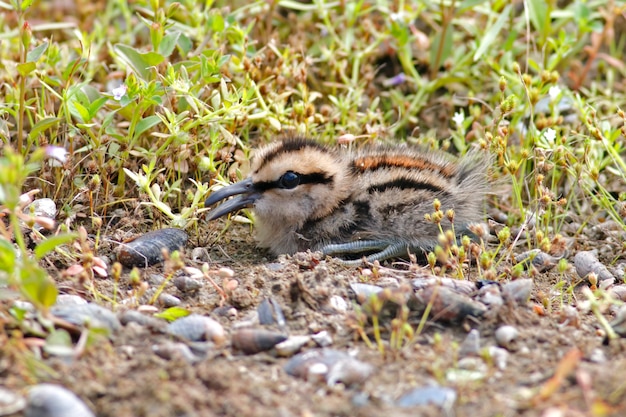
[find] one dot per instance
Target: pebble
(338, 304)
(292, 345)
(499, 356)
(198, 328)
(49, 400)
(90, 314)
(10, 402)
(471, 344)
(168, 300)
(251, 341)
(331, 366)
(186, 284)
(148, 249)
(441, 397)
(506, 336)
(587, 262)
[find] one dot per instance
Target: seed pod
(49, 400)
(251, 341)
(148, 249)
(197, 328)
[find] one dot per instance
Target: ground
(122, 376)
(129, 113)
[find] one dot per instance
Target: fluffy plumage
(368, 202)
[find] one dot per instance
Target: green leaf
(538, 11)
(37, 286)
(26, 4)
(7, 256)
(173, 313)
(492, 33)
(48, 245)
(469, 4)
(43, 125)
(168, 43)
(138, 61)
(59, 343)
(146, 123)
(79, 111)
(36, 53)
(216, 22)
(185, 44)
(446, 49)
(26, 68)
(96, 105)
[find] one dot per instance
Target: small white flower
(57, 152)
(554, 92)
(459, 118)
(397, 17)
(549, 135)
(119, 92)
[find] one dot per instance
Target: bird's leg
(356, 246)
(385, 250)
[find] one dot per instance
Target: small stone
(471, 344)
(49, 400)
(200, 254)
(499, 357)
(338, 304)
(187, 284)
(441, 397)
(506, 336)
(292, 345)
(322, 339)
(168, 300)
(225, 273)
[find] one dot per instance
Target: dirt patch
(123, 376)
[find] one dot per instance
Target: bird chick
(369, 202)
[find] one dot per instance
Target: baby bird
(369, 202)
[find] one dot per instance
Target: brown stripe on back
(405, 184)
(291, 144)
(372, 163)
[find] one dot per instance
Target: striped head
(291, 182)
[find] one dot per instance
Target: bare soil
(122, 376)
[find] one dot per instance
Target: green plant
(19, 269)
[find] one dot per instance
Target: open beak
(245, 194)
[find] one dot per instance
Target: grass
(155, 102)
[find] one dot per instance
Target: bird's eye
(289, 180)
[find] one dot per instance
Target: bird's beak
(245, 194)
